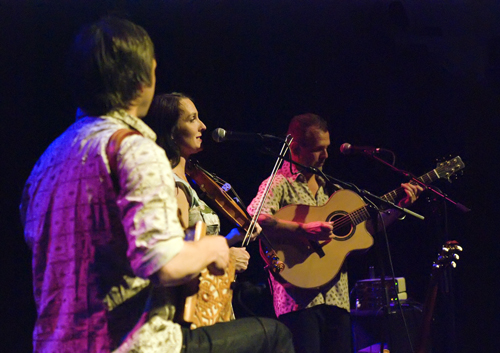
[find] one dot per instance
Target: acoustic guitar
(314, 264)
(446, 258)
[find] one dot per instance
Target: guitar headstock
(448, 255)
(450, 167)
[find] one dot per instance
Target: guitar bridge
(317, 248)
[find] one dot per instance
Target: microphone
(347, 148)
(221, 135)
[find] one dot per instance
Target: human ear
(295, 148)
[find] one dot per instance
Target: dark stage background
(419, 77)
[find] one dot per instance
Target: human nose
(202, 126)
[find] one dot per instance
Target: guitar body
(304, 268)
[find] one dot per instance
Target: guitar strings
(351, 217)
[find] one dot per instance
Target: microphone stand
(362, 192)
(447, 279)
(414, 179)
(375, 214)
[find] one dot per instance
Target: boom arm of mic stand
(428, 187)
(393, 205)
(350, 186)
(363, 193)
(441, 194)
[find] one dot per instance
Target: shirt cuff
(156, 257)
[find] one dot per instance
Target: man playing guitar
(318, 317)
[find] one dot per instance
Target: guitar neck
(362, 214)
(446, 259)
(443, 170)
(399, 193)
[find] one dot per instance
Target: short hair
(300, 124)
(163, 117)
(108, 63)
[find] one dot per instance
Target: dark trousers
(320, 329)
(247, 335)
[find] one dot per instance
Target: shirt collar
(290, 171)
(124, 117)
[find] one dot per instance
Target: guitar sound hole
(342, 225)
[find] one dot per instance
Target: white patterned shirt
(94, 249)
(290, 188)
(198, 209)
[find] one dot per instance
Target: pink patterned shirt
(93, 250)
(290, 188)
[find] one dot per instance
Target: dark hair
(108, 63)
(300, 124)
(162, 117)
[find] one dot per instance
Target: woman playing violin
(175, 119)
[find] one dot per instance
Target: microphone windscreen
(345, 148)
(218, 135)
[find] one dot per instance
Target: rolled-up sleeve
(148, 205)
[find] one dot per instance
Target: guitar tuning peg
(453, 264)
(456, 257)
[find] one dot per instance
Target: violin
(231, 210)
(222, 201)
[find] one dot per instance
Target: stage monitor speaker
(371, 327)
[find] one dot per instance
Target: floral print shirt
(290, 188)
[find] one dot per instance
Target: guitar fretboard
(399, 193)
(362, 214)
(357, 216)
(444, 170)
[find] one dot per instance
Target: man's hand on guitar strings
(317, 230)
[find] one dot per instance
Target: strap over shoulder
(184, 188)
(112, 149)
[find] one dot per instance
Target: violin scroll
(273, 263)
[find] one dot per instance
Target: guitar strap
(112, 149)
(184, 189)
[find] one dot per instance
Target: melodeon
(207, 299)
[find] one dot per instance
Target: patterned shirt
(290, 187)
(198, 209)
(94, 249)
